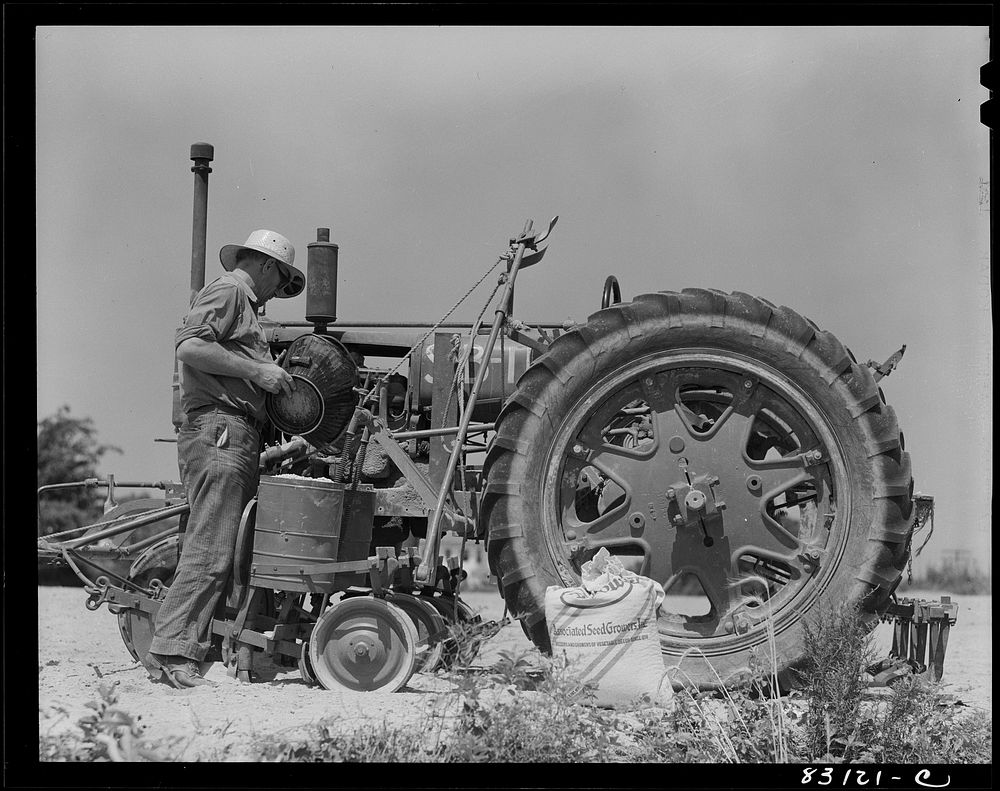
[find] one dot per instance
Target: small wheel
(136, 626)
(431, 630)
(305, 666)
(363, 645)
(459, 616)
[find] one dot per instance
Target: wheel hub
(365, 650)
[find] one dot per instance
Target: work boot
(178, 671)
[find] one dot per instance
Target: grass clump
(374, 743)
(532, 717)
(519, 712)
(838, 647)
(736, 726)
(832, 718)
(106, 733)
(920, 725)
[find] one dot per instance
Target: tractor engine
(328, 363)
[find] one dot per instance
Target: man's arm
(212, 358)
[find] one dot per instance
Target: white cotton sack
(606, 628)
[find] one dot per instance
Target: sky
(840, 171)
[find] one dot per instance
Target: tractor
(715, 442)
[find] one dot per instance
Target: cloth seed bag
(606, 628)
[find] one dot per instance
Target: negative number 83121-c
(882, 778)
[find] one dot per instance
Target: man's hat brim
(227, 255)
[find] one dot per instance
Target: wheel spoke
(711, 565)
(610, 524)
(614, 460)
(715, 580)
(777, 407)
(759, 528)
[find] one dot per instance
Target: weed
(547, 724)
(732, 725)
(106, 733)
(838, 647)
(920, 725)
(462, 643)
(519, 713)
(831, 719)
(515, 667)
(916, 724)
(380, 743)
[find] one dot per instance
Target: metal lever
(530, 240)
(544, 236)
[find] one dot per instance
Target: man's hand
(274, 379)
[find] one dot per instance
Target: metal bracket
(382, 569)
(886, 368)
(515, 333)
(399, 457)
(812, 556)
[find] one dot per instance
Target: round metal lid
(299, 412)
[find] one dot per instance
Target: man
(225, 371)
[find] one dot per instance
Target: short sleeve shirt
(224, 312)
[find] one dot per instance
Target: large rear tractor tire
(727, 448)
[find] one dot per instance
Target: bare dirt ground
(79, 648)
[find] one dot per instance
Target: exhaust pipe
(201, 155)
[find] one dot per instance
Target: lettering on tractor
(706, 439)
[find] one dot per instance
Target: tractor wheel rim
(668, 456)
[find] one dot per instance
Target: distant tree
(68, 450)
